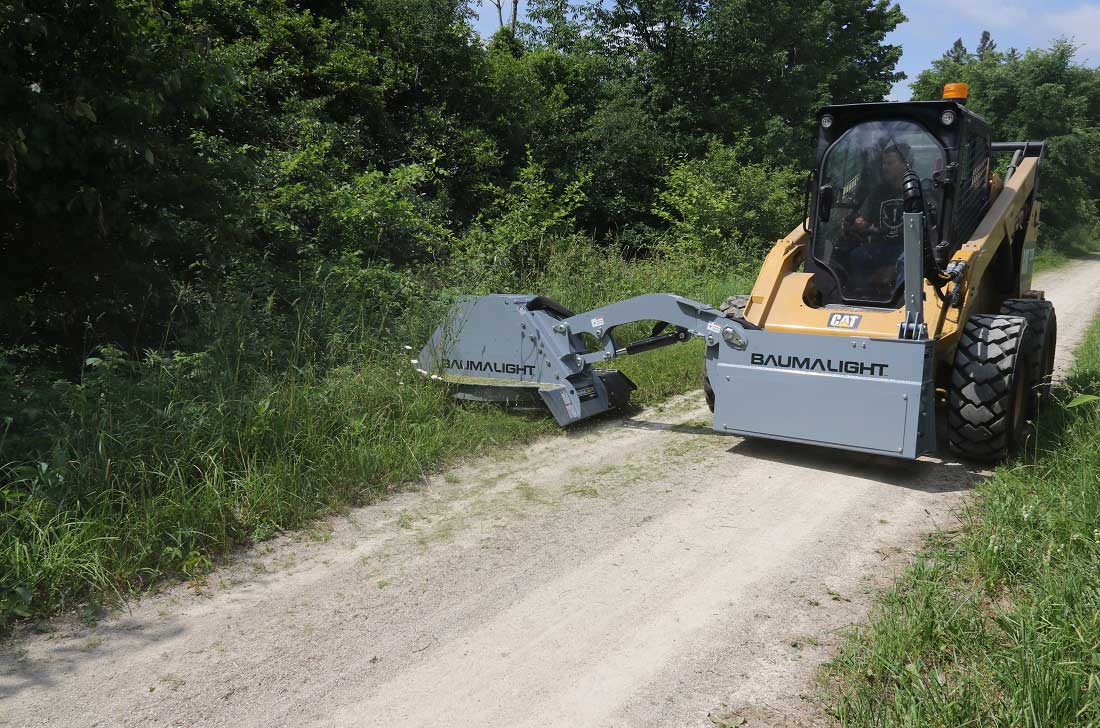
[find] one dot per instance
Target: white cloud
(990, 14)
(1082, 24)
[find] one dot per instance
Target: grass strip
(999, 622)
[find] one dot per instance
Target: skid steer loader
(907, 287)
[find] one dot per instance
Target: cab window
(858, 233)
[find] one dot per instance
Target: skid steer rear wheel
(732, 307)
(1040, 341)
(988, 400)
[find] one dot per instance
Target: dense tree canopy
(1038, 94)
(151, 149)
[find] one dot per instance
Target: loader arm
(998, 228)
(690, 317)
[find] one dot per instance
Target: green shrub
(514, 239)
(725, 212)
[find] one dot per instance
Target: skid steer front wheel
(987, 404)
(732, 307)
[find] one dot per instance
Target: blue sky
(934, 25)
(1013, 23)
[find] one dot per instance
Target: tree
(699, 70)
(735, 65)
(106, 200)
(724, 211)
(986, 45)
(149, 147)
(499, 4)
(958, 52)
(146, 145)
(1040, 94)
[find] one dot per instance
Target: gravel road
(641, 572)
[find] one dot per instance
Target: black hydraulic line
(1030, 149)
(913, 201)
(1026, 149)
(655, 342)
(911, 193)
(806, 201)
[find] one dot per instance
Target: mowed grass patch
(155, 467)
(998, 623)
(1050, 258)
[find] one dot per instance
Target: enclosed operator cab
(863, 152)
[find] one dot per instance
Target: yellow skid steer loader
(907, 287)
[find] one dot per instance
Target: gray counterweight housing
(870, 395)
(855, 393)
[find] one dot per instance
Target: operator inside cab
(873, 229)
(858, 239)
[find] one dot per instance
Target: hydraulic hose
(912, 196)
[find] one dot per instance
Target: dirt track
(641, 572)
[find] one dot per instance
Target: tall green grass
(999, 623)
(152, 467)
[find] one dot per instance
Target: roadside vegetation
(998, 622)
(222, 223)
(151, 465)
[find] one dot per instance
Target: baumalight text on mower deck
(906, 287)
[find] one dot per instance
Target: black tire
(991, 377)
(732, 307)
(1040, 341)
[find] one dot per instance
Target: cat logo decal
(844, 320)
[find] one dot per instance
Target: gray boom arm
(501, 347)
(685, 313)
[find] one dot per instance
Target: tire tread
(979, 403)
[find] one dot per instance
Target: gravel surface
(641, 572)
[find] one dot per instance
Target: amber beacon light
(958, 91)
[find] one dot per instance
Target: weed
(724, 717)
(175, 682)
(531, 493)
(445, 531)
(684, 446)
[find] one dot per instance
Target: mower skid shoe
(868, 395)
(606, 390)
(505, 348)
